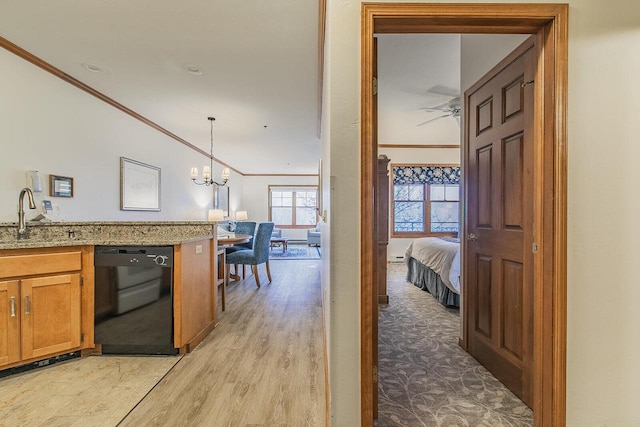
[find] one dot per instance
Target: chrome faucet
(22, 225)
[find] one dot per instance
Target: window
(291, 207)
(426, 200)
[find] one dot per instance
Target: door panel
(50, 314)
(485, 116)
(499, 221)
(9, 322)
(512, 182)
(483, 320)
(512, 282)
(484, 187)
(513, 98)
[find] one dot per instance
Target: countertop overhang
(112, 233)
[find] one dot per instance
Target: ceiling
(412, 68)
(259, 67)
(258, 61)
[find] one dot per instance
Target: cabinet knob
(471, 237)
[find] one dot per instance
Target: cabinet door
(50, 315)
(9, 322)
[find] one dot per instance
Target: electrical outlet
(198, 249)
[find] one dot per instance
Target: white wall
(342, 87)
(397, 246)
(50, 126)
(603, 374)
(256, 198)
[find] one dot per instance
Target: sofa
(313, 236)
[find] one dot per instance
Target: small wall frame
(60, 186)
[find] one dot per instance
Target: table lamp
(216, 215)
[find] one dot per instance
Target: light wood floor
(263, 365)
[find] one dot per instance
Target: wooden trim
(368, 152)
(558, 78)
(417, 146)
(550, 23)
(29, 57)
(322, 25)
(87, 292)
(189, 346)
(270, 186)
(177, 298)
(280, 174)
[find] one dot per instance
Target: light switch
(198, 249)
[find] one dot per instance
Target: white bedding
(441, 256)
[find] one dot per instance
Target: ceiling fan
(450, 108)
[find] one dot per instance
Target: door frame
(550, 23)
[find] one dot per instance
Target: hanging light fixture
(207, 171)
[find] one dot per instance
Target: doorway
(549, 25)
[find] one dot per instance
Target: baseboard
(39, 363)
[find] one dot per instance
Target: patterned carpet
(426, 379)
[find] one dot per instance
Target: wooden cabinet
(41, 303)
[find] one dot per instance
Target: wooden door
(9, 322)
(50, 314)
(499, 221)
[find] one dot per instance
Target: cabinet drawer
(41, 263)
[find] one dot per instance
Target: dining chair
(259, 254)
(243, 227)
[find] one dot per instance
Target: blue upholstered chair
(259, 254)
(244, 227)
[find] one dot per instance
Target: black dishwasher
(134, 299)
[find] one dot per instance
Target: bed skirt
(428, 280)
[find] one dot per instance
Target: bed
(433, 265)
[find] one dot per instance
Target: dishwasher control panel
(138, 256)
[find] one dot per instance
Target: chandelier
(207, 171)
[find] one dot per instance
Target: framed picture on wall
(60, 186)
(139, 186)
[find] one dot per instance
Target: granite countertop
(112, 233)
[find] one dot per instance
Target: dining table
(230, 240)
(233, 239)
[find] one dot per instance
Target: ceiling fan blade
(440, 107)
(434, 119)
(443, 90)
